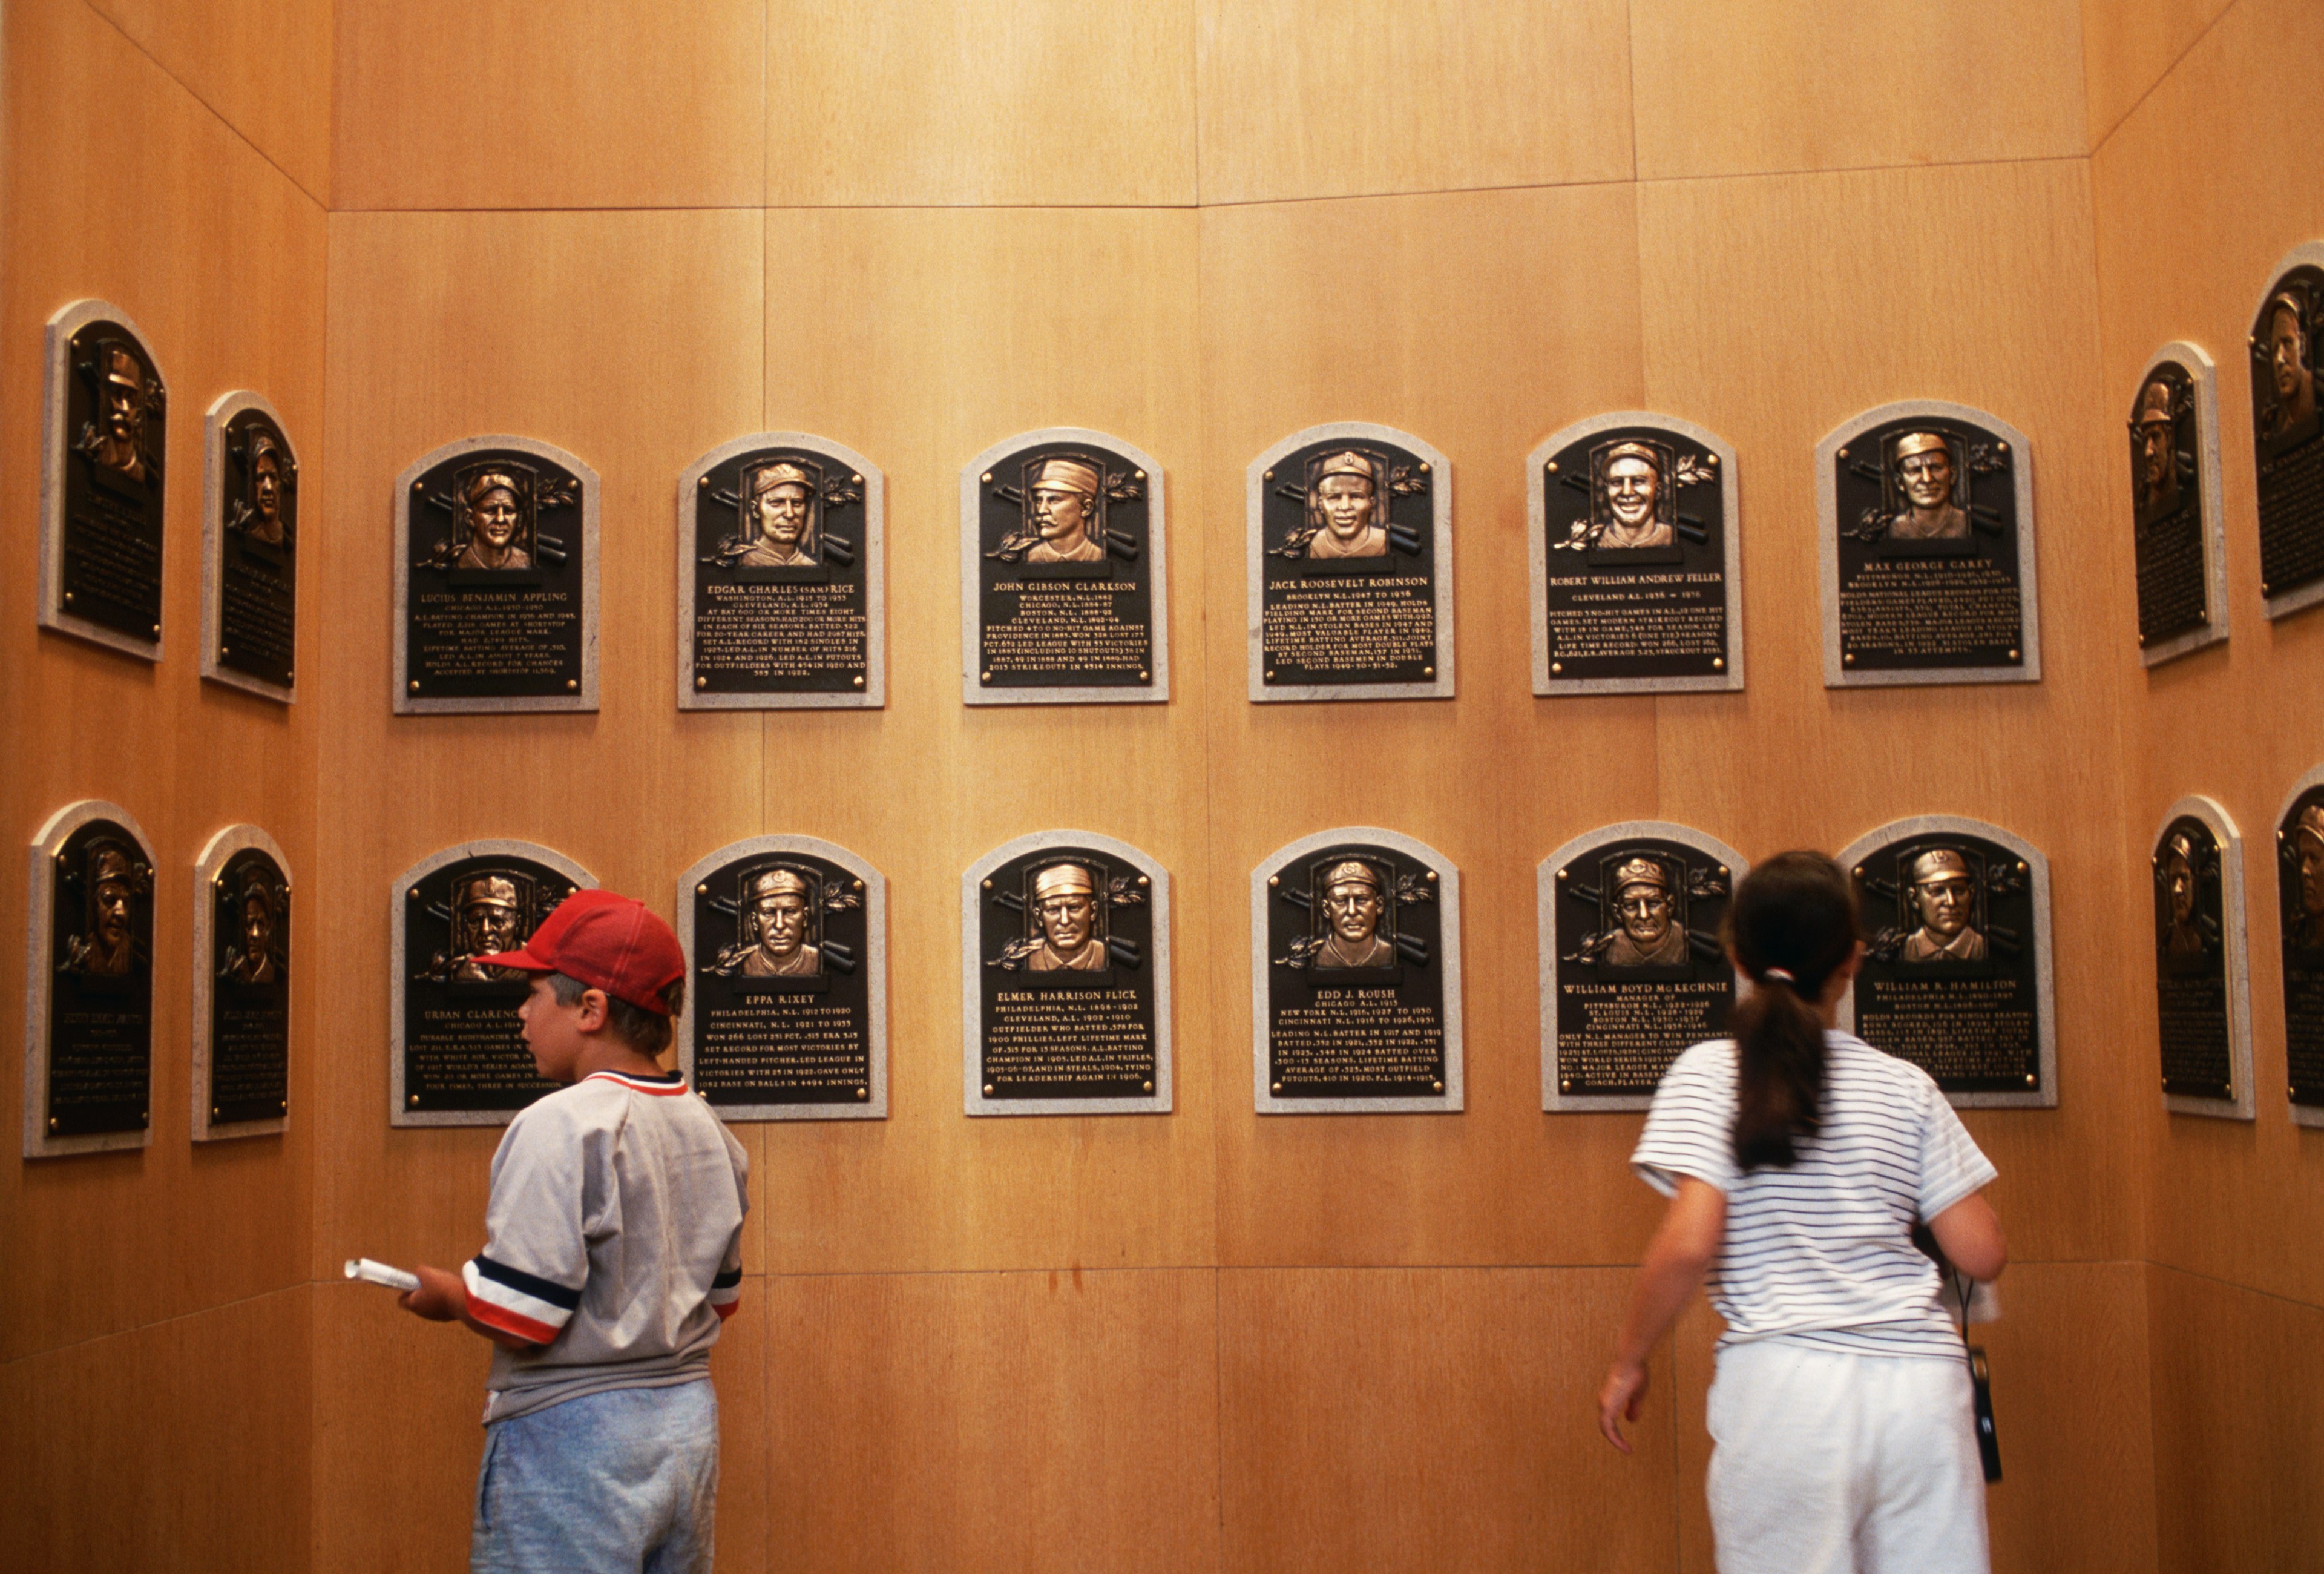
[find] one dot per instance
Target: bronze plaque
(247, 1063)
(2287, 436)
(1632, 969)
(1928, 553)
(2174, 489)
(102, 481)
(1349, 534)
(249, 568)
(2194, 1022)
(2299, 888)
(1956, 975)
(1356, 977)
(459, 1050)
(497, 583)
(786, 1009)
(1065, 978)
(780, 577)
(1636, 580)
(1064, 588)
(94, 949)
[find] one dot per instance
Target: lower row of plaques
(1356, 992)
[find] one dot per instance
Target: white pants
(1825, 1463)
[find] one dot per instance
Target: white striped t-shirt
(1821, 1253)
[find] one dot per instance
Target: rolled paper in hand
(372, 1273)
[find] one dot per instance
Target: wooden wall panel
(262, 66)
(1844, 84)
(921, 338)
(1481, 322)
(182, 1445)
(632, 340)
(162, 208)
(1868, 315)
(2126, 50)
(1050, 103)
(1412, 1419)
(2209, 147)
(1342, 98)
(539, 104)
(2238, 1380)
(1027, 1421)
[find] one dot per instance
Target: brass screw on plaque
(53, 1123)
(67, 598)
(1423, 466)
(146, 1118)
(157, 631)
(1859, 871)
(2029, 1079)
(988, 677)
(988, 1089)
(216, 1114)
(1139, 475)
(1843, 453)
(1142, 674)
(863, 1093)
(1148, 1086)
(418, 486)
(2142, 641)
(1142, 879)
(1553, 466)
(988, 481)
(702, 890)
(573, 683)
(224, 652)
(2013, 655)
(415, 685)
(1272, 880)
(412, 1100)
(1268, 476)
(1428, 671)
(1432, 874)
(2021, 868)
(284, 1106)
(1277, 1088)
(1718, 663)
(857, 480)
(1555, 667)
(288, 676)
(988, 885)
(1849, 660)
(1562, 874)
(415, 893)
(1270, 677)
(701, 683)
(859, 885)
(1438, 1085)
(859, 681)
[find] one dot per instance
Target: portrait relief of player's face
(2285, 360)
(1944, 903)
(1066, 917)
(125, 403)
(2158, 442)
(1927, 477)
(2311, 875)
(1061, 510)
(1065, 911)
(1645, 914)
(1353, 909)
(1347, 504)
(782, 913)
(1631, 488)
(110, 943)
(265, 521)
(782, 514)
(1060, 516)
(257, 924)
(494, 518)
(487, 921)
(2179, 885)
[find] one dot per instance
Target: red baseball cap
(608, 941)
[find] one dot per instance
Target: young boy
(614, 1251)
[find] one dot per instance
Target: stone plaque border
(875, 578)
(222, 410)
(2307, 253)
(55, 400)
(1553, 1101)
(215, 854)
(40, 968)
(2211, 498)
(1454, 1099)
(971, 977)
(2235, 948)
(1439, 501)
(971, 568)
(1537, 558)
(2307, 1115)
(408, 704)
(2044, 966)
(875, 964)
(1835, 675)
(487, 847)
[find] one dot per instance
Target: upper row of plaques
(1926, 510)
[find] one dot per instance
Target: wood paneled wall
(1203, 1339)
(2200, 190)
(154, 1377)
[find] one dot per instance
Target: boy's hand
(441, 1297)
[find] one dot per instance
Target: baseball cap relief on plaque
(1063, 571)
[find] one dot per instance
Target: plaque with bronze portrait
(1348, 532)
(1636, 584)
(2299, 896)
(249, 548)
(1356, 977)
(2177, 538)
(780, 577)
(88, 1077)
(242, 986)
(1065, 978)
(1633, 969)
(2201, 999)
(787, 1002)
(459, 1048)
(496, 580)
(1956, 973)
(2287, 434)
(102, 463)
(1063, 575)
(1927, 516)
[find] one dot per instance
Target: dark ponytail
(1792, 925)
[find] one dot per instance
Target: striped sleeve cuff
(726, 1293)
(517, 1302)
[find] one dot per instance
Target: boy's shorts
(618, 1481)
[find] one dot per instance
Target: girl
(1798, 1160)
